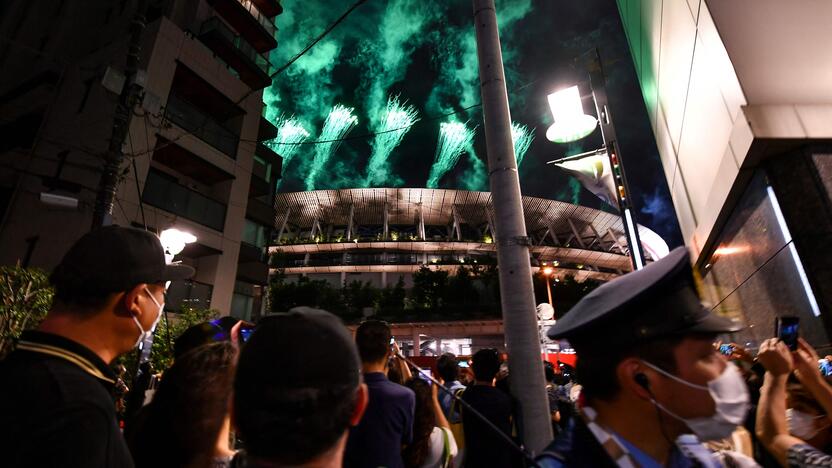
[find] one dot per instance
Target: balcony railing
(166, 194)
(267, 23)
(202, 125)
(216, 25)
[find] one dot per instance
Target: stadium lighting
(570, 121)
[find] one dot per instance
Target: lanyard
(55, 351)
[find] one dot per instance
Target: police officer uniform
(655, 302)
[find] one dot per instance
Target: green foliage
(25, 298)
(461, 293)
(429, 288)
(392, 299)
(284, 295)
(161, 354)
(357, 295)
(565, 293)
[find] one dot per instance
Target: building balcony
(270, 8)
(266, 131)
(253, 272)
(260, 211)
(251, 253)
(200, 124)
(162, 192)
(253, 68)
(244, 16)
(188, 293)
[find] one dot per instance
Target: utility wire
(272, 76)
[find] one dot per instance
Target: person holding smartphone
(793, 435)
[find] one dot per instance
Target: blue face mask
(146, 334)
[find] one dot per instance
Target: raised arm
(772, 428)
(806, 370)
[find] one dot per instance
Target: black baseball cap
(304, 352)
(113, 259)
(657, 301)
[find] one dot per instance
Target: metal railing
(256, 58)
(203, 126)
(267, 23)
(170, 196)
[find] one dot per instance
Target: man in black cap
(297, 391)
(654, 386)
(56, 397)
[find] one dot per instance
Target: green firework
(290, 135)
(454, 138)
(338, 123)
(522, 138)
(397, 120)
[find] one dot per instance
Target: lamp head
(570, 121)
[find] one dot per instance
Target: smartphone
(463, 364)
(786, 330)
(825, 367)
(245, 334)
(726, 349)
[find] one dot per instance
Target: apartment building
(194, 154)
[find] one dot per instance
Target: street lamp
(571, 124)
(174, 242)
(548, 271)
(570, 121)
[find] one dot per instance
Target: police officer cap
(656, 301)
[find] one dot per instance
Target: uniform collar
(68, 350)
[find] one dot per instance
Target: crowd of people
(650, 387)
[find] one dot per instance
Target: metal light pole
(516, 291)
(599, 93)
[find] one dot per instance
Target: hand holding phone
(726, 349)
(786, 329)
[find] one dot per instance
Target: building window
(254, 234)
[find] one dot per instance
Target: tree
(358, 295)
(25, 298)
(429, 288)
(461, 295)
(285, 295)
(391, 299)
(161, 353)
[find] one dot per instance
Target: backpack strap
(446, 450)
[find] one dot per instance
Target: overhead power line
(272, 76)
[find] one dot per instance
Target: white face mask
(730, 396)
(146, 334)
(802, 425)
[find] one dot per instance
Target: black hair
(424, 420)
(79, 297)
(596, 372)
(188, 410)
(485, 363)
(287, 425)
(373, 340)
(549, 371)
(447, 367)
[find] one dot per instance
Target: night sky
(425, 52)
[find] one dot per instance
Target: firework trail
(290, 135)
(397, 120)
(522, 138)
(454, 138)
(338, 123)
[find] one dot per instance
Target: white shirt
(436, 447)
